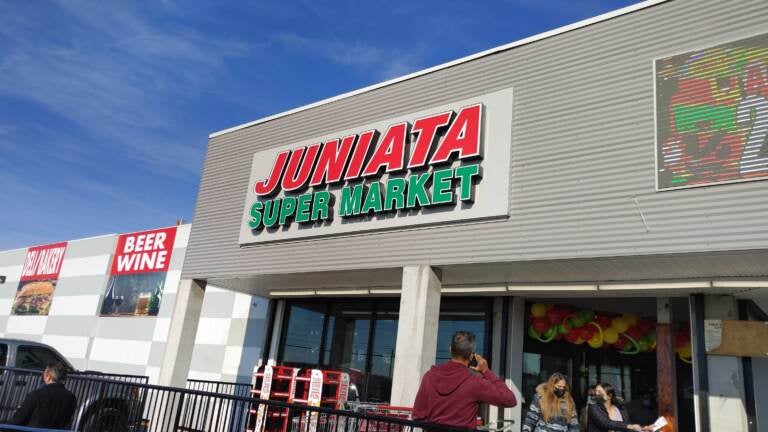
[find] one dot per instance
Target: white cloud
(384, 62)
(113, 72)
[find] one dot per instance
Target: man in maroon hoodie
(450, 394)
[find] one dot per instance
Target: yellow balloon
(610, 335)
(595, 343)
(619, 324)
(685, 351)
(630, 319)
(538, 310)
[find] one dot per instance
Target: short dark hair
(462, 344)
(57, 371)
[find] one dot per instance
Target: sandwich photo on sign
(38, 279)
(138, 272)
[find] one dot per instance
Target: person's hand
(482, 364)
(635, 427)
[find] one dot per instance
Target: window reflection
(457, 314)
(359, 337)
(303, 335)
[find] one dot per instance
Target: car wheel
(106, 420)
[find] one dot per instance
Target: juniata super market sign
(439, 165)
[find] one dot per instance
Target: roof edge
(550, 33)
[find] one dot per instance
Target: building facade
(583, 200)
(613, 165)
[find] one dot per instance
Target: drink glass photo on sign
(138, 273)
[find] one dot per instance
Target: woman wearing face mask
(583, 417)
(552, 408)
(607, 413)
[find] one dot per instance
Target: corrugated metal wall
(582, 151)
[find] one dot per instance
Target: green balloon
(588, 315)
(578, 321)
(561, 329)
(533, 333)
(642, 345)
(651, 336)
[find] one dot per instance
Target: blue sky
(106, 106)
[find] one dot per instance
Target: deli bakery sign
(444, 164)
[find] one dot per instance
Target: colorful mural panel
(712, 115)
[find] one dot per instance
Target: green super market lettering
(418, 159)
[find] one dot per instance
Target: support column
(416, 332)
(718, 384)
(497, 360)
(277, 332)
(666, 377)
(514, 366)
(181, 333)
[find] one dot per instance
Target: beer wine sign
(444, 164)
(138, 273)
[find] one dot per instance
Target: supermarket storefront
(582, 200)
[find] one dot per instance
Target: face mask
(559, 392)
(646, 402)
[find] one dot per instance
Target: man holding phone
(450, 394)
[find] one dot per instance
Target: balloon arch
(625, 332)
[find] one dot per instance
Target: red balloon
(635, 332)
(572, 337)
(680, 340)
(603, 321)
(541, 325)
(585, 333)
(555, 316)
(621, 343)
(644, 325)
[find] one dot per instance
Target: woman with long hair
(607, 413)
(552, 408)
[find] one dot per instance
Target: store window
(462, 314)
(354, 337)
(303, 334)
(359, 337)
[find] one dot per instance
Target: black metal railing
(223, 387)
(107, 404)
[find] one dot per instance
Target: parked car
(102, 405)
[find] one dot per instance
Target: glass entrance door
(355, 337)
(359, 337)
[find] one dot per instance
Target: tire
(106, 420)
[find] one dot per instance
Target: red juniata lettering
(463, 136)
(390, 154)
(269, 186)
(362, 148)
(426, 128)
(300, 167)
(332, 161)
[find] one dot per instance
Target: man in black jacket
(50, 406)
